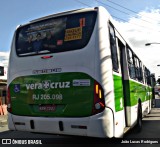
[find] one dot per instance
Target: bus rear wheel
(139, 119)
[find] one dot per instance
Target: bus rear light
(96, 88)
(99, 103)
(46, 57)
(100, 94)
(97, 106)
(98, 91)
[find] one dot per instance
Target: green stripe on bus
(71, 93)
(133, 92)
(118, 92)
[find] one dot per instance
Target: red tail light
(46, 57)
(9, 101)
(99, 103)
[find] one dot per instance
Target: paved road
(150, 126)
(150, 132)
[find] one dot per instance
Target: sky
(138, 20)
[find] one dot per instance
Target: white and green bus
(73, 73)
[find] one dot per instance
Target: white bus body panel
(98, 125)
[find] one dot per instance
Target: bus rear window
(53, 35)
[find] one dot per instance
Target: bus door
(123, 66)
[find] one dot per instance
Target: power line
(122, 6)
(117, 9)
(144, 27)
(103, 4)
(129, 9)
(112, 7)
(82, 3)
(121, 11)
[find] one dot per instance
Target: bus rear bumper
(93, 126)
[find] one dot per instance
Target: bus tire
(139, 119)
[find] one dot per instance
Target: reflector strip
(19, 123)
(101, 104)
(78, 127)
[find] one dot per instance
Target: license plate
(47, 108)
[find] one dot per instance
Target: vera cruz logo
(47, 84)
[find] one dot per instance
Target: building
(3, 91)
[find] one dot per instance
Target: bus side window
(153, 80)
(138, 67)
(140, 72)
(147, 76)
(113, 48)
(131, 65)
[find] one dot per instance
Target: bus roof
(64, 13)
